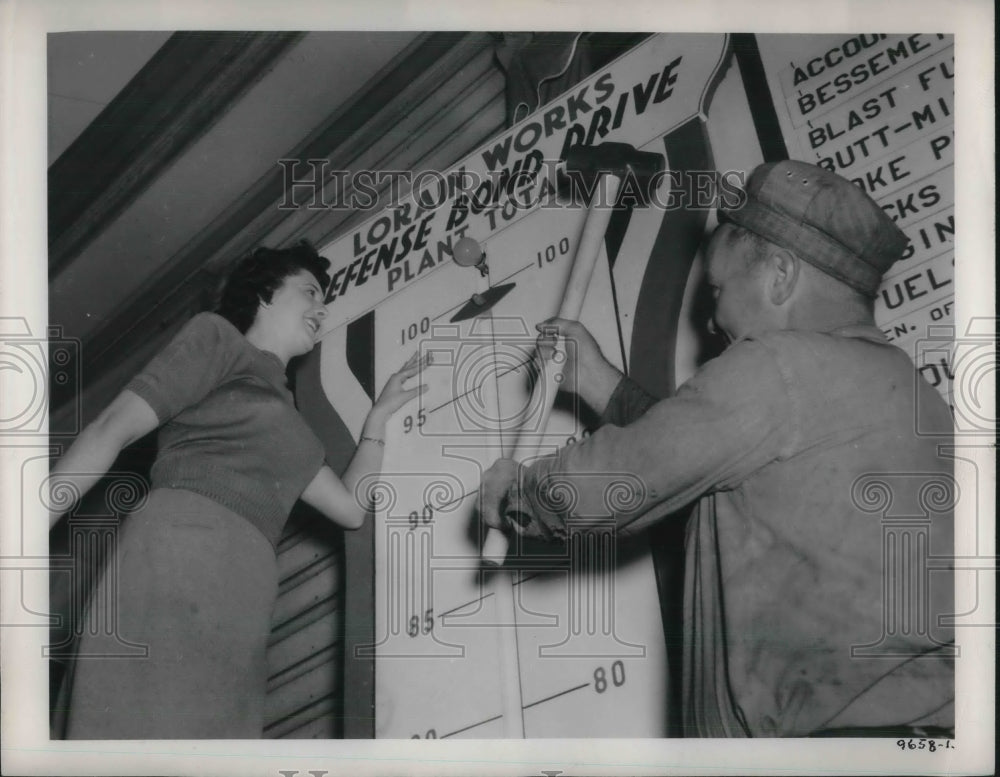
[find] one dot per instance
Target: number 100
(549, 254)
(417, 328)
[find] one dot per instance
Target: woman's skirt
(195, 584)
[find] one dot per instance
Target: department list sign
(878, 109)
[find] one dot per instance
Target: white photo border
(26, 747)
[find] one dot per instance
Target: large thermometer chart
(581, 652)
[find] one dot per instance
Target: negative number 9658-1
(930, 745)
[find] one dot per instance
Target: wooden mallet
(604, 168)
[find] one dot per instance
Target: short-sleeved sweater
(229, 428)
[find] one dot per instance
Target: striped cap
(825, 219)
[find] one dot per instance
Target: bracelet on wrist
(375, 440)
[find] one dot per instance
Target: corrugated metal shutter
(305, 651)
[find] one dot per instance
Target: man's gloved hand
(585, 371)
(496, 480)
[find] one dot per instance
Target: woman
(197, 576)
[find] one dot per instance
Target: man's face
(741, 304)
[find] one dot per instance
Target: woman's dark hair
(255, 278)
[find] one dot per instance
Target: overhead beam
(186, 86)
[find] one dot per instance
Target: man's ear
(784, 274)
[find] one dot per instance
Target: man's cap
(825, 219)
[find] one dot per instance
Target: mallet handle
(496, 544)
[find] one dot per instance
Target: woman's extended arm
(337, 499)
(91, 455)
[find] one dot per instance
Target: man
(783, 443)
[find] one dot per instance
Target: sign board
(590, 655)
(878, 109)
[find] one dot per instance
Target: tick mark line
(467, 604)
(554, 696)
(474, 725)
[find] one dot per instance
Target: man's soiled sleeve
(733, 417)
(189, 367)
(627, 403)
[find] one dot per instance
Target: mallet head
(583, 167)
